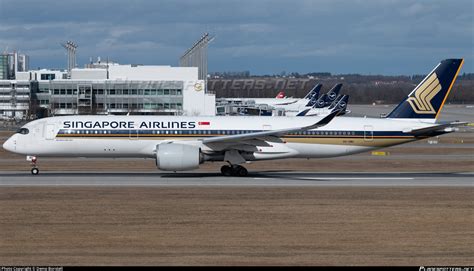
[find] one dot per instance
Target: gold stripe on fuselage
(375, 141)
(353, 141)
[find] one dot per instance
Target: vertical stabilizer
(427, 99)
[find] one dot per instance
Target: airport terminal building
(106, 89)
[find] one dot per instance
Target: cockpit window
(23, 131)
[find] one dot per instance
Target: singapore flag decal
(204, 123)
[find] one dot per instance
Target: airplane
(290, 106)
(281, 102)
(179, 143)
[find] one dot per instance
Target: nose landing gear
(34, 169)
(234, 170)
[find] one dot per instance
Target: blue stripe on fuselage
(207, 133)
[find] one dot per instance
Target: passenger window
(23, 131)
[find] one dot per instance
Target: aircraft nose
(9, 145)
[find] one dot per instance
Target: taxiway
(206, 179)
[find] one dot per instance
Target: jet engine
(178, 157)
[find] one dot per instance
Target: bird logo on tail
(421, 102)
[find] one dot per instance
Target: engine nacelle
(177, 157)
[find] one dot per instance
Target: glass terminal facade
(64, 97)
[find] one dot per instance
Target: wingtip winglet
(327, 119)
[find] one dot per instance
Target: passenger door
(368, 133)
(50, 131)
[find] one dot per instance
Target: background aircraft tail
(321, 102)
(280, 95)
(427, 99)
(314, 92)
(333, 93)
(341, 105)
(333, 104)
(313, 95)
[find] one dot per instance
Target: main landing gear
(34, 169)
(234, 170)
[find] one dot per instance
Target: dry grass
(236, 226)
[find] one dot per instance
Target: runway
(261, 179)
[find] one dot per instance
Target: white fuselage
(138, 136)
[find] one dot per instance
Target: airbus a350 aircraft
(182, 143)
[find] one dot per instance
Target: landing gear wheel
(226, 170)
(34, 171)
(234, 170)
(241, 171)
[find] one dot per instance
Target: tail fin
(321, 102)
(341, 105)
(313, 95)
(280, 95)
(314, 92)
(332, 94)
(427, 99)
(333, 104)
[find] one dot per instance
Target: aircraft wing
(285, 103)
(440, 127)
(272, 133)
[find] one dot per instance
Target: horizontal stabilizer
(437, 128)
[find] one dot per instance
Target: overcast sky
(366, 36)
